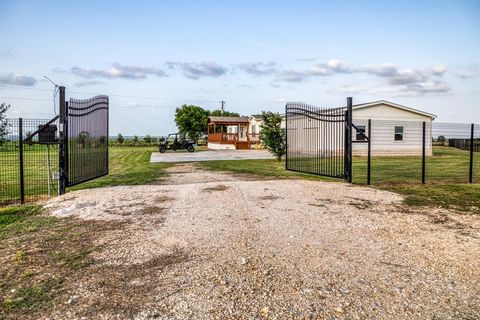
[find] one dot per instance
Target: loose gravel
(233, 248)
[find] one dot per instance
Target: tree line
(135, 141)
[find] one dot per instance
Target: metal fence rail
(316, 140)
(28, 166)
(465, 162)
(407, 151)
(40, 158)
(87, 144)
(464, 144)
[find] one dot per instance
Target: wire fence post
(470, 176)
(369, 150)
(423, 150)
(62, 157)
(20, 155)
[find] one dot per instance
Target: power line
(116, 105)
(144, 97)
(21, 98)
(121, 96)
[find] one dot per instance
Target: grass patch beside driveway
(447, 172)
(40, 257)
(128, 166)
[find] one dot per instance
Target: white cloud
(418, 81)
(258, 68)
(467, 72)
(16, 80)
(117, 70)
(197, 70)
(87, 83)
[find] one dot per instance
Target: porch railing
(254, 137)
(222, 137)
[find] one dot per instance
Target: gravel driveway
(237, 248)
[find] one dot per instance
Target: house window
(398, 133)
(360, 130)
(254, 128)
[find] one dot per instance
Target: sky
(151, 57)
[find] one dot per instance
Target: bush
(272, 135)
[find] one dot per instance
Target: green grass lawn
(128, 166)
(447, 176)
(35, 171)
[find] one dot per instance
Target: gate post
(470, 175)
(62, 139)
(286, 137)
(20, 150)
(423, 151)
(348, 141)
(369, 163)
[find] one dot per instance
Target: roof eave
(395, 105)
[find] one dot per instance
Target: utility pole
(223, 105)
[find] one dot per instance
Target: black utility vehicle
(176, 141)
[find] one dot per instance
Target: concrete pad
(172, 156)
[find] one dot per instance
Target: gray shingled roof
(227, 119)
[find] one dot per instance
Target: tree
(83, 139)
(135, 140)
(102, 141)
(147, 139)
(218, 113)
(3, 121)
(191, 120)
(120, 139)
(272, 135)
(441, 139)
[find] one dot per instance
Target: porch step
(242, 145)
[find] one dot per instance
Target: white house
(396, 129)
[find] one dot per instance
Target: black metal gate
(83, 140)
(319, 140)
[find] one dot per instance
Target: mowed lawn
(36, 171)
(446, 174)
(127, 166)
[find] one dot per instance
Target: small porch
(228, 133)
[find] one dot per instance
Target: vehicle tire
(162, 149)
(190, 148)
